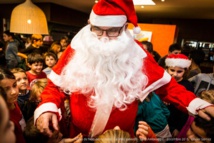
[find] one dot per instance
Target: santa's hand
(46, 121)
(207, 112)
(142, 131)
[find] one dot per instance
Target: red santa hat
(177, 60)
(114, 13)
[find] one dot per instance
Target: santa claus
(106, 73)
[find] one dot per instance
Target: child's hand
(145, 133)
(77, 139)
(142, 131)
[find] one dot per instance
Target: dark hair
(6, 73)
(64, 37)
(174, 47)
(207, 126)
(149, 46)
(8, 33)
(156, 56)
(35, 58)
(3, 94)
(51, 53)
(197, 56)
(32, 134)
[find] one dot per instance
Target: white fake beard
(106, 71)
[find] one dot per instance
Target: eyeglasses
(112, 32)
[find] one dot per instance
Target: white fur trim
(162, 81)
(172, 62)
(197, 104)
(46, 107)
(55, 78)
(107, 20)
(136, 30)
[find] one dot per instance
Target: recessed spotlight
(142, 6)
(163, 0)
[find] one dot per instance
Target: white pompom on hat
(114, 13)
(177, 60)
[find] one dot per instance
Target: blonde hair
(17, 70)
(37, 87)
(207, 95)
(36, 37)
(115, 136)
(55, 47)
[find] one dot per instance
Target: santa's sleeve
(168, 89)
(52, 96)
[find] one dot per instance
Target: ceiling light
(162, 0)
(142, 6)
(143, 2)
(27, 18)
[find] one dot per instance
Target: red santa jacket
(82, 116)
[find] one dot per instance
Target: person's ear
(89, 21)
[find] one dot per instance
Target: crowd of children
(20, 91)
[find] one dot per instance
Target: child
(208, 95)
(22, 83)
(197, 130)
(34, 99)
(6, 126)
(197, 126)
(12, 59)
(177, 66)
(56, 48)
(35, 63)
(33, 135)
(50, 60)
(116, 135)
(8, 83)
(153, 111)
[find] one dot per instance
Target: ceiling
(182, 9)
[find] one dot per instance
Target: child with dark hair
(9, 84)
(64, 41)
(173, 49)
(33, 135)
(50, 60)
(35, 63)
(12, 59)
(149, 47)
(197, 130)
(153, 111)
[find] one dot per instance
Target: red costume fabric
(82, 115)
(17, 118)
(31, 77)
